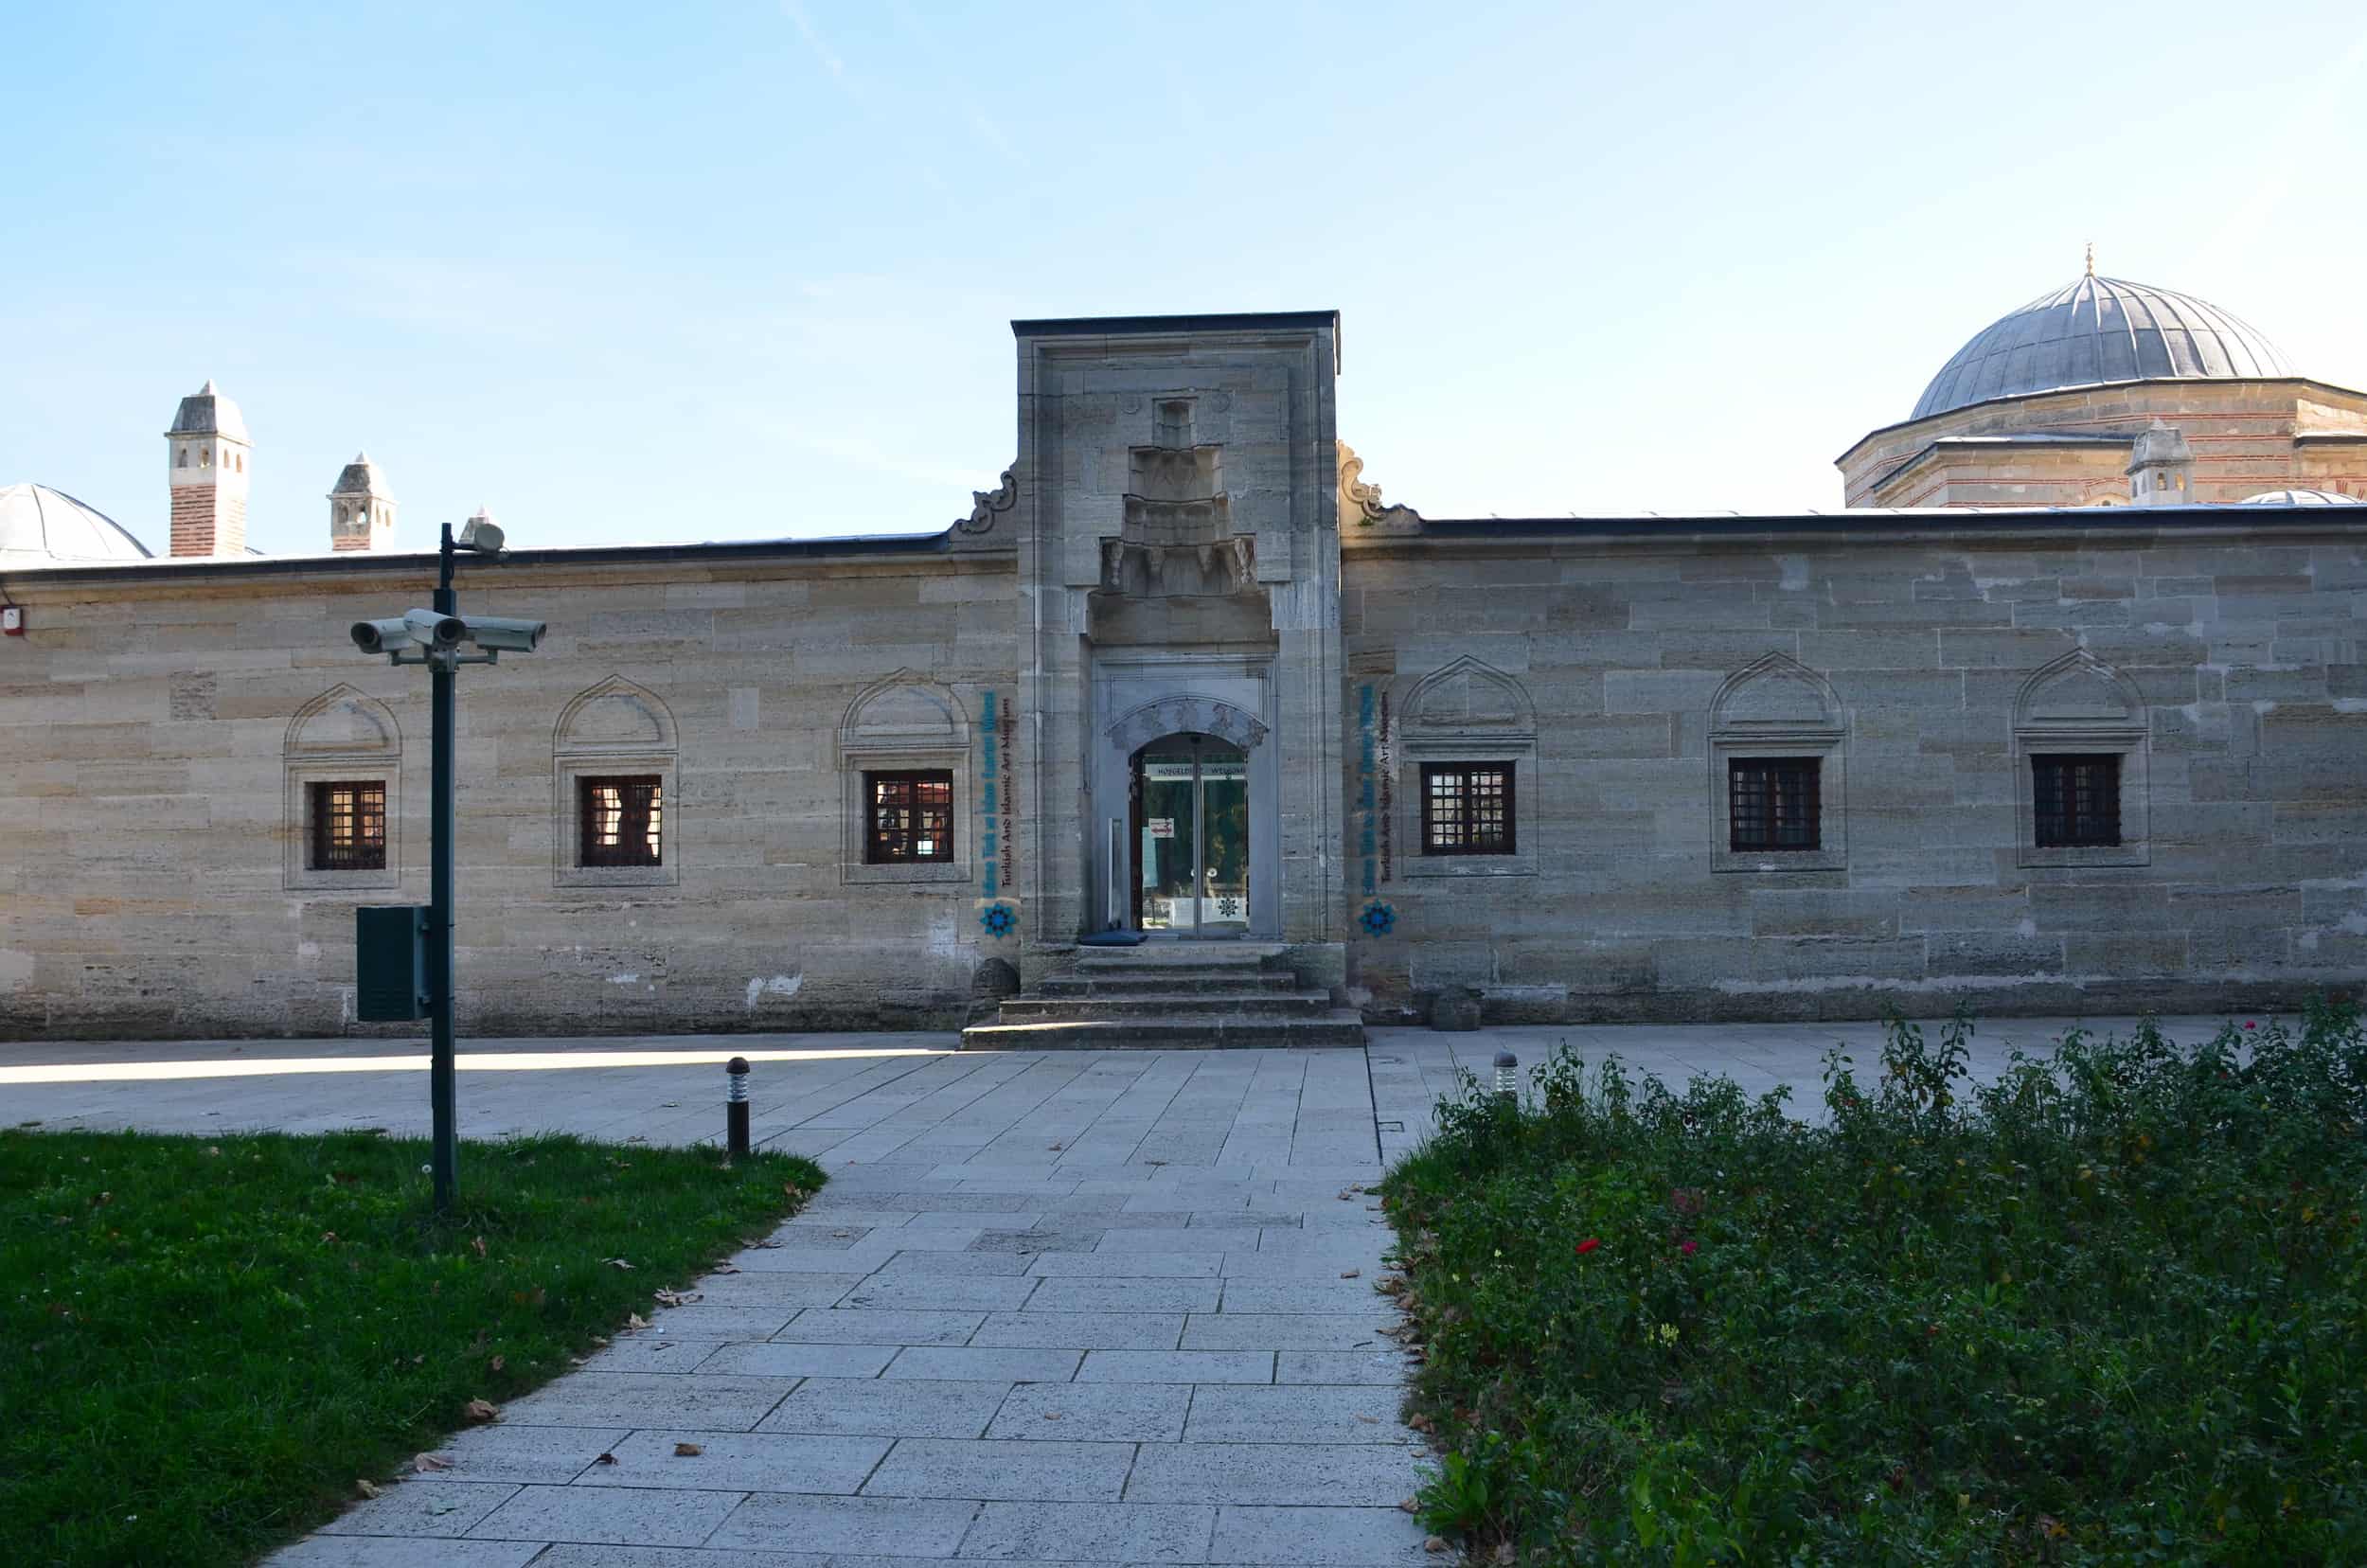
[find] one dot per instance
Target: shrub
(2109, 1308)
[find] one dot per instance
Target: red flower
(1589, 1245)
(2250, 1024)
(1690, 1248)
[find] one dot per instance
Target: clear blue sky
(708, 272)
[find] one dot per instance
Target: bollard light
(1507, 1076)
(736, 1106)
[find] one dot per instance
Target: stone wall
(156, 725)
(2242, 654)
(2242, 433)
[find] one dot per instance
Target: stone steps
(1266, 1004)
(1169, 996)
(1339, 1026)
(1163, 983)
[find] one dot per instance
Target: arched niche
(617, 734)
(1777, 713)
(2078, 705)
(1454, 727)
(905, 732)
(1186, 715)
(342, 759)
(617, 715)
(905, 710)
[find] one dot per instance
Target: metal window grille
(1467, 808)
(1774, 803)
(623, 821)
(349, 825)
(910, 819)
(2075, 800)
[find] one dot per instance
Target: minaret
(2161, 468)
(206, 449)
(361, 508)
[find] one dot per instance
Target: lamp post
(435, 638)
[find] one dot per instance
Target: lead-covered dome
(39, 527)
(2100, 330)
(2302, 498)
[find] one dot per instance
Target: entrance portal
(1191, 837)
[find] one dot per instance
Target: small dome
(39, 527)
(206, 412)
(2302, 498)
(2100, 330)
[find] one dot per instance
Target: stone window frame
(576, 758)
(1823, 741)
(1467, 773)
(1416, 743)
(868, 743)
(2131, 738)
(307, 760)
(873, 840)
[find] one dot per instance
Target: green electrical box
(389, 963)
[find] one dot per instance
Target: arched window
(1463, 769)
(342, 809)
(1779, 757)
(616, 814)
(904, 779)
(2082, 766)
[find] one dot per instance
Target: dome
(39, 527)
(2302, 498)
(2100, 330)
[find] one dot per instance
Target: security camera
(430, 630)
(381, 637)
(504, 633)
(481, 534)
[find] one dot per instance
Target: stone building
(1182, 673)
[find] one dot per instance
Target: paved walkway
(1089, 1307)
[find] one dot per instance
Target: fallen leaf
(425, 1462)
(728, 1268)
(366, 1488)
(1051, 1414)
(1435, 1544)
(495, 1363)
(634, 1320)
(1350, 1273)
(1347, 1193)
(603, 1339)
(482, 1410)
(840, 1233)
(576, 1361)
(329, 1237)
(1410, 1505)
(476, 1245)
(443, 1505)
(606, 1459)
(214, 1149)
(1422, 1423)
(668, 1105)
(675, 1298)
(1503, 1551)
(770, 1241)
(418, 1359)
(616, 1262)
(1368, 1420)
(1055, 1148)
(688, 1450)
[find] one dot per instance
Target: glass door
(1191, 852)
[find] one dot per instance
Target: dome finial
(2091, 259)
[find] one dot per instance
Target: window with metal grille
(1466, 808)
(1774, 803)
(349, 826)
(2075, 800)
(911, 817)
(623, 821)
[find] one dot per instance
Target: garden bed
(205, 1343)
(2110, 1309)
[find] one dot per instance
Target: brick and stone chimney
(2161, 468)
(361, 508)
(207, 450)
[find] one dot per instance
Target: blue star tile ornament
(998, 919)
(1377, 918)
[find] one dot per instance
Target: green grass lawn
(2115, 1312)
(205, 1342)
